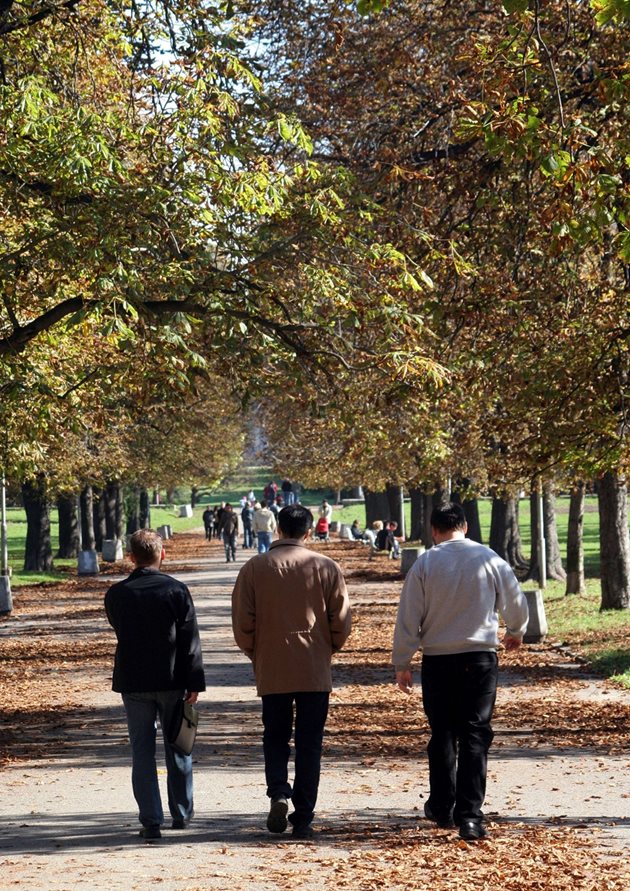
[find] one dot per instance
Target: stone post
(537, 624)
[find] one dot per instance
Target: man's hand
(404, 679)
(191, 697)
(511, 643)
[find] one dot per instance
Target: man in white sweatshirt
(448, 609)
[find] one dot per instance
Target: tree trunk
(113, 510)
(396, 504)
(194, 491)
(376, 507)
(68, 510)
(614, 542)
(170, 496)
(505, 535)
(38, 552)
(145, 509)
(88, 542)
(555, 570)
(132, 510)
(100, 532)
(156, 496)
(471, 510)
(575, 541)
(418, 506)
(435, 499)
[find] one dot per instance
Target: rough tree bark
(431, 500)
(88, 541)
(376, 507)
(505, 535)
(575, 541)
(555, 569)
(471, 510)
(194, 492)
(132, 510)
(68, 510)
(614, 542)
(38, 551)
(113, 509)
(418, 507)
(100, 531)
(145, 509)
(396, 504)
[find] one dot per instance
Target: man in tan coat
(290, 613)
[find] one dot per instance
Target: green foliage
(611, 11)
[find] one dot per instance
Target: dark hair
(263, 503)
(146, 547)
(295, 520)
(449, 517)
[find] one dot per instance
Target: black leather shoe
(472, 830)
(303, 833)
(148, 833)
(277, 817)
(441, 822)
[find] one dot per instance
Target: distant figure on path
(158, 662)
(247, 516)
(290, 613)
(264, 527)
(448, 609)
(287, 492)
(326, 511)
(228, 527)
(208, 522)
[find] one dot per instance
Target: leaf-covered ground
(60, 647)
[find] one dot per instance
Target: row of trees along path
(558, 811)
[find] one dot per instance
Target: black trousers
(459, 693)
(311, 711)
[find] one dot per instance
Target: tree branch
(34, 18)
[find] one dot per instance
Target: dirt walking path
(558, 791)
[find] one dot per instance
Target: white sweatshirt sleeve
(408, 621)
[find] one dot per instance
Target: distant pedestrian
(290, 613)
(157, 663)
(208, 522)
(228, 527)
(270, 491)
(448, 609)
(326, 511)
(247, 516)
(264, 526)
(287, 491)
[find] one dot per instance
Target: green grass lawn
(16, 537)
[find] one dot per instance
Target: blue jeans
(311, 710)
(264, 540)
(248, 537)
(142, 711)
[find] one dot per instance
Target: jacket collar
(292, 542)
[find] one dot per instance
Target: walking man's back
(158, 662)
(290, 613)
(448, 609)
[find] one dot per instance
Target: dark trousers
(311, 711)
(459, 693)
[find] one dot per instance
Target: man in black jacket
(158, 662)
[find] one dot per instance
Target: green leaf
(511, 6)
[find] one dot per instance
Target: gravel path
(69, 821)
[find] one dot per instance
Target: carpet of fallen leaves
(60, 645)
(518, 858)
